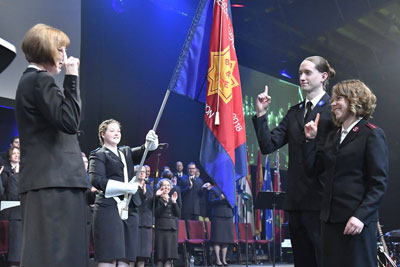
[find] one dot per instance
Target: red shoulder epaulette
(371, 126)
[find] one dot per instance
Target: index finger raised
(317, 120)
(266, 89)
(64, 55)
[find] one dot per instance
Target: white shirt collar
(34, 67)
(345, 132)
(315, 100)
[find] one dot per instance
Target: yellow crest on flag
(221, 69)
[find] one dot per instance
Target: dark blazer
(166, 215)
(105, 165)
(191, 196)
(48, 121)
(356, 171)
(12, 194)
(146, 209)
(5, 176)
(219, 207)
(303, 191)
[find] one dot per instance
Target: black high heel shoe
(225, 264)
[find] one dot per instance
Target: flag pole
(172, 83)
(160, 112)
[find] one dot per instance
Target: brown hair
(103, 128)
(322, 65)
(41, 44)
(11, 150)
(362, 101)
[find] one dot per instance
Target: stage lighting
(118, 5)
(285, 74)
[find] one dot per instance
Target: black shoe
(225, 264)
(219, 265)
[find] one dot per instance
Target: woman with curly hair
(355, 162)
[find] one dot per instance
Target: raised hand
(174, 197)
(311, 128)
(262, 102)
(71, 64)
(152, 140)
(159, 192)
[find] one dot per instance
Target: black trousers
(305, 235)
(54, 228)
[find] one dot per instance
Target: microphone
(163, 146)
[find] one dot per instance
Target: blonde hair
(362, 101)
(103, 128)
(41, 44)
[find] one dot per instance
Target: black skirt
(114, 238)
(349, 250)
(221, 230)
(144, 242)
(14, 240)
(166, 246)
(54, 228)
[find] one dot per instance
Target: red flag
(224, 141)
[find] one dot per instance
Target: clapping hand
(174, 197)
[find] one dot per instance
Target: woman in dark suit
(145, 220)
(11, 167)
(355, 163)
(221, 223)
(167, 212)
(111, 170)
(11, 193)
(52, 183)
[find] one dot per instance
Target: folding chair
(3, 238)
(182, 239)
(197, 237)
(250, 239)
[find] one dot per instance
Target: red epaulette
(371, 126)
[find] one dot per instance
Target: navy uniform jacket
(166, 215)
(105, 165)
(48, 121)
(303, 191)
(191, 196)
(356, 172)
(146, 209)
(219, 207)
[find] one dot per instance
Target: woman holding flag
(110, 170)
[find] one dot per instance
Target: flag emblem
(224, 77)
